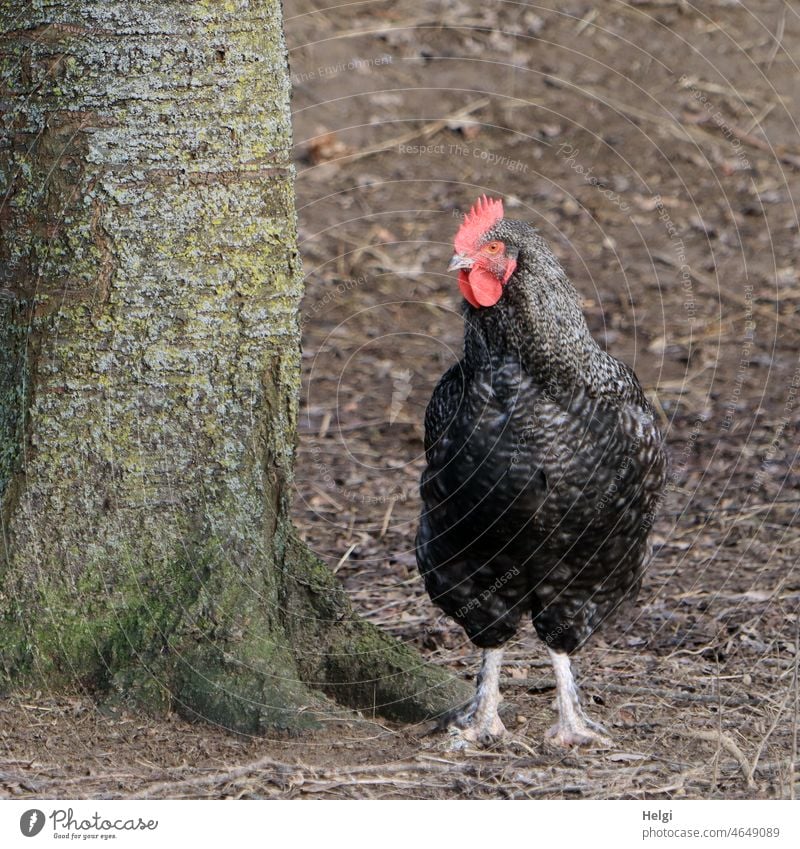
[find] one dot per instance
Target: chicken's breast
(534, 499)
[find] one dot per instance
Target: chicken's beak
(459, 261)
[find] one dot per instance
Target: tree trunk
(149, 374)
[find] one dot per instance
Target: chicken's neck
(541, 325)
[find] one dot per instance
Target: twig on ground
(726, 743)
(425, 131)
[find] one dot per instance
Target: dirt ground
(654, 145)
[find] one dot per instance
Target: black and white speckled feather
(544, 465)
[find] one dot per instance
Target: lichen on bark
(149, 373)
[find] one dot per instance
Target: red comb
(483, 216)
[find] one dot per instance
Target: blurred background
(654, 145)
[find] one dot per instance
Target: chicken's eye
(493, 248)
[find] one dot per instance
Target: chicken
(544, 470)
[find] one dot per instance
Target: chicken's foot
(479, 722)
(573, 728)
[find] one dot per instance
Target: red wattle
(480, 287)
(485, 287)
(466, 289)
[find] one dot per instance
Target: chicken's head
(484, 263)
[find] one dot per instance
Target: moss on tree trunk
(149, 374)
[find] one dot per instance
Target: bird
(545, 467)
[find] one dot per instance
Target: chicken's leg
(573, 728)
(480, 722)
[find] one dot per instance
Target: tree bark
(149, 374)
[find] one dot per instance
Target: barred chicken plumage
(544, 469)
